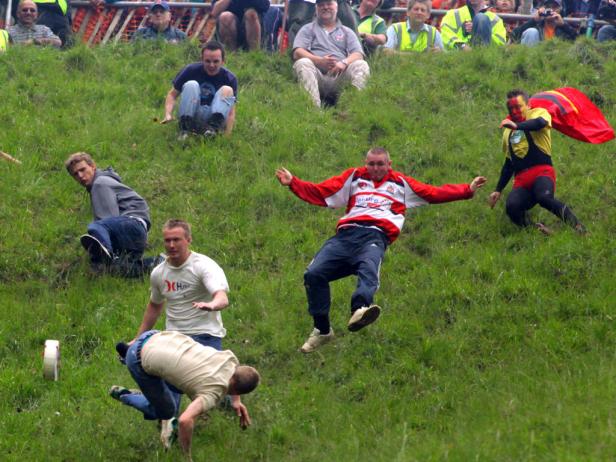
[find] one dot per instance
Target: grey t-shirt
(339, 43)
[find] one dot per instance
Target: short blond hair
(176, 223)
(77, 157)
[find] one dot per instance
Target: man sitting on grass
(117, 237)
(208, 93)
(206, 375)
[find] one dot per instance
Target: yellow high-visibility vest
(368, 25)
(61, 3)
(452, 28)
(424, 41)
(4, 40)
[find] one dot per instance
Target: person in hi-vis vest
(414, 34)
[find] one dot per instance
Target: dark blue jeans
(353, 250)
(158, 401)
(161, 397)
(120, 235)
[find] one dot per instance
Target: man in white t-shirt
(194, 288)
(161, 360)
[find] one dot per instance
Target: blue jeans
(120, 235)
(158, 401)
(482, 30)
(607, 32)
(353, 250)
(530, 37)
(166, 396)
(190, 105)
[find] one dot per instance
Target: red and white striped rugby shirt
(379, 204)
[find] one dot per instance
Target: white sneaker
(168, 432)
(316, 340)
(364, 316)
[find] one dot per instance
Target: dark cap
(554, 2)
(160, 4)
(324, 1)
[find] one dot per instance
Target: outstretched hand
(493, 199)
(477, 183)
(284, 176)
(168, 118)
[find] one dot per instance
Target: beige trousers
(319, 85)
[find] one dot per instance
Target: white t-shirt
(199, 371)
(196, 280)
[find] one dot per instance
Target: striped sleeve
(437, 194)
(333, 192)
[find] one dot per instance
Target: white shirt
(196, 280)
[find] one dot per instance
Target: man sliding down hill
(376, 198)
(527, 144)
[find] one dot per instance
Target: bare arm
(241, 411)
(187, 425)
(151, 315)
(219, 302)
(170, 100)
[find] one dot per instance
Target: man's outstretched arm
(170, 100)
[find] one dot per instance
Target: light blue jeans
(530, 37)
(607, 32)
(482, 30)
(190, 105)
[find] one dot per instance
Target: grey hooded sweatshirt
(111, 198)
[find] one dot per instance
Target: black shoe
(122, 348)
(98, 252)
(187, 124)
(216, 122)
(149, 263)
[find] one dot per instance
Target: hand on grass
(477, 183)
(284, 176)
(493, 199)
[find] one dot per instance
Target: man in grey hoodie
(118, 235)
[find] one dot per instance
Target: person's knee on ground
(530, 37)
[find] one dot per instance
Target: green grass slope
(496, 344)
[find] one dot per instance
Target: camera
(546, 13)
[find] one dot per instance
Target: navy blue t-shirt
(209, 84)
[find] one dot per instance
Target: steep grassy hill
(496, 344)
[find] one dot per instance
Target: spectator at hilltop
(607, 11)
(302, 12)
(472, 25)
(327, 55)
(371, 27)
(240, 22)
(414, 34)
(27, 32)
(159, 25)
(56, 15)
(546, 24)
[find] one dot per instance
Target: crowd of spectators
(246, 24)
